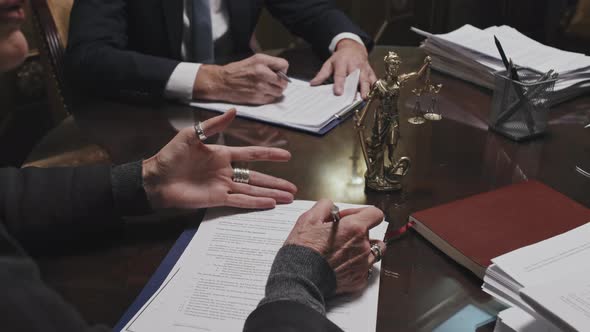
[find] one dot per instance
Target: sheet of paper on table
(220, 278)
(303, 107)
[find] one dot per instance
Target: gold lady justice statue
(385, 175)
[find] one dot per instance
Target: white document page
(220, 278)
(519, 321)
(555, 258)
(568, 299)
(302, 105)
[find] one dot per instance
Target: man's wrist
(208, 82)
(345, 36)
(349, 43)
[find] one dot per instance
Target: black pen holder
(520, 109)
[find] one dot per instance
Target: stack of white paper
(514, 319)
(304, 107)
(470, 53)
(220, 277)
(536, 282)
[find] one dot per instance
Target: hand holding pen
(344, 244)
(257, 80)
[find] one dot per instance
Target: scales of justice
(384, 172)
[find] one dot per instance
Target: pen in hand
(283, 76)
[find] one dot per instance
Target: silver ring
(376, 251)
(241, 175)
(199, 131)
(335, 213)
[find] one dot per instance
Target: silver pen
(283, 76)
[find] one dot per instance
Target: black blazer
(131, 47)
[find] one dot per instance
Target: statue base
(383, 184)
(392, 181)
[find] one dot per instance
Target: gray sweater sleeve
(302, 275)
(129, 196)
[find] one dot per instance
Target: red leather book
(476, 229)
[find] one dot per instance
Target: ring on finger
(241, 175)
(376, 251)
(199, 131)
(335, 213)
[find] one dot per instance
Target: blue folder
(158, 277)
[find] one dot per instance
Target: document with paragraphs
(220, 278)
(303, 107)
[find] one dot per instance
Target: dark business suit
(131, 47)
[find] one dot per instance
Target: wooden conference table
(421, 289)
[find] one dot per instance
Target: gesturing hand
(348, 57)
(189, 174)
(345, 244)
(250, 81)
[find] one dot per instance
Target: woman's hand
(189, 174)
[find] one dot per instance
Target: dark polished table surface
(421, 289)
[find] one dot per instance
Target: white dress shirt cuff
(344, 35)
(181, 82)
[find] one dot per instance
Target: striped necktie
(202, 36)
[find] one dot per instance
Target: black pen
(502, 54)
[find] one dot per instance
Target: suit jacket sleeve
(317, 21)
(98, 57)
(67, 202)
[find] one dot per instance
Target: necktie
(202, 36)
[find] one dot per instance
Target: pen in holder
(520, 108)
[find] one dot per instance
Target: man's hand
(189, 174)
(345, 244)
(348, 57)
(250, 81)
